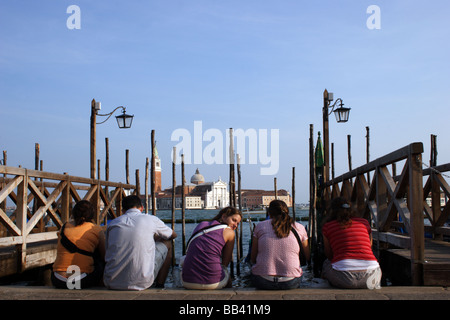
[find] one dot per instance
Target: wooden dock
(435, 268)
(43, 204)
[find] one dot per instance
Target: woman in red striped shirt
(348, 247)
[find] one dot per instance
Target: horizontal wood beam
(61, 177)
(395, 156)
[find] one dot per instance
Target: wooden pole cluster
(313, 219)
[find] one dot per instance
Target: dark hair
(281, 220)
(131, 202)
(83, 212)
(341, 212)
(228, 211)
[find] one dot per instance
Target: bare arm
(327, 248)
(227, 253)
(305, 245)
(254, 250)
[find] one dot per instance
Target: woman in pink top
(275, 250)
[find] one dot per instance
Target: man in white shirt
(138, 249)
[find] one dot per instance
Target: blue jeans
(261, 283)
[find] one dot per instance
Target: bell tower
(158, 186)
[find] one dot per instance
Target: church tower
(158, 186)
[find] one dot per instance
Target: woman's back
(86, 237)
(203, 259)
(277, 256)
(351, 242)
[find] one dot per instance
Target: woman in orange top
(78, 240)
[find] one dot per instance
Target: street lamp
(124, 121)
(342, 113)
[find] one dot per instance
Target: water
(242, 279)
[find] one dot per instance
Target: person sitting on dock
(347, 242)
(208, 255)
(81, 247)
(138, 249)
(275, 252)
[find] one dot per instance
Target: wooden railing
(43, 202)
(395, 205)
(435, 189)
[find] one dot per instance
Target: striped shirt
(352, 242)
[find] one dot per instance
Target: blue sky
(241, 64)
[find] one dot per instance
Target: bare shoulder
(228, 234)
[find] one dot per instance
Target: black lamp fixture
(125, 120)
(342, 113)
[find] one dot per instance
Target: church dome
(197, 178)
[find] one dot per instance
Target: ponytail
(281, 220)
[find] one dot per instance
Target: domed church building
(197, 178)
(214, 195)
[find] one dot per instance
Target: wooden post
(3, 229)
(183, 206)
(146, 184)
(40, 225)
(415, 204)
(239, 230)
(93, 138)
(65, 200)
(275, 188)
(293, 193)
(152, 174)
(332, 160)
(107, 166)
(21, 222)
(368, 152)
(127, 166)
(435, 188)
(326, 142)
(174, 187)
(232, 183)
(314, 244)
(98, 169)
(433, 152)
(138, 184)
(232, 188)
(349, 148)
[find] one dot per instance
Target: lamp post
(342, 115)
(124, 121)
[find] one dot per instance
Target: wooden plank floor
(436, 269)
